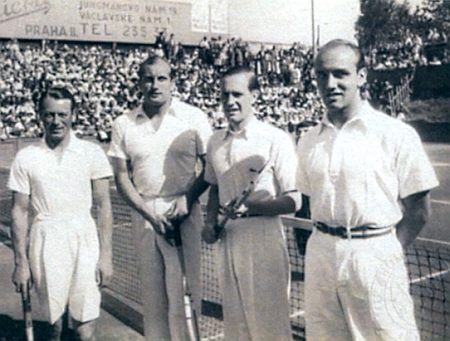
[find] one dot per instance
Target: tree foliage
(382, 21)
(436, 13)
(389, 21)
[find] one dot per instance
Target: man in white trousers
(368, 180)
(253, 255)
(157, 152)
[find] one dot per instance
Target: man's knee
(85, 331)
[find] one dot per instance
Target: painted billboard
(124, 21)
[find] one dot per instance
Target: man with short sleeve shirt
(67, 258)
(368, 180)
(157, 153)
(252, 253)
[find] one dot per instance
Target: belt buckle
(341, 231)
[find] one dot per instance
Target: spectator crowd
(412, 51)
(422, 44)
(104, 82)
(103, 78)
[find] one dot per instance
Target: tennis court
(428, 263)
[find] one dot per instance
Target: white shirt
(163, 161)
(59, 181)
(233, 160)
(358, 174)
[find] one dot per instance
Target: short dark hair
(56, 93)
(361, 63)
(151, 60)
(253, 83)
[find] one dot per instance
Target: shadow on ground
(13, 330)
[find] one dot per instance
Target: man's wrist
(251, 209)
(106, 254)
(210, 222)
(189, 201)
(21, 261)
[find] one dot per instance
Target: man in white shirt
(157, 153)
(368, 180)
(63, 254)
(254, 263)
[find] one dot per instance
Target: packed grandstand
(103, 79)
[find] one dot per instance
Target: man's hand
(179, 209)
(104, 271)
(158, 222)
(210, 233)
(162, 223)
(22, 277)
(232, 212)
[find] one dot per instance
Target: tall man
(157, 154)
(62, 255)
(368, 180)
(252, 248)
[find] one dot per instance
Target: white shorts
(63, 259)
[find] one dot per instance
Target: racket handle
(26, 306)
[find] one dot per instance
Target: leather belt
(358, 232)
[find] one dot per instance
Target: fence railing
(400, 95)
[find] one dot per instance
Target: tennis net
(428, 265)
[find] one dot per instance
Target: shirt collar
(71, 146)
(360, 122)
(139, 112)
(244, 132)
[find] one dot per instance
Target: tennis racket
(26, 306)
(189, 311)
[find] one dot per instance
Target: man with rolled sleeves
(64, 255)
(253, 255)
(368, 180)
(157, 152)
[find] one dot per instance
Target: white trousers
(255, 280)
(161, 277)
(357, 289)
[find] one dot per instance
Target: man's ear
(362, 77)
(255, 95)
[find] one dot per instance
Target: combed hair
(151, 60)
(56, 93)
(253, 83)
(342, 42)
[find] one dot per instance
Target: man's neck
(54, 143)
(236, 127)
(339, 117)
(153, 111)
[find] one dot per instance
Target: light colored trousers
(357, 290)
(255, 279)
(161, 277)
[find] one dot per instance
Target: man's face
(56, 115)
(338, 79)
(156, 84)
(236, 98)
